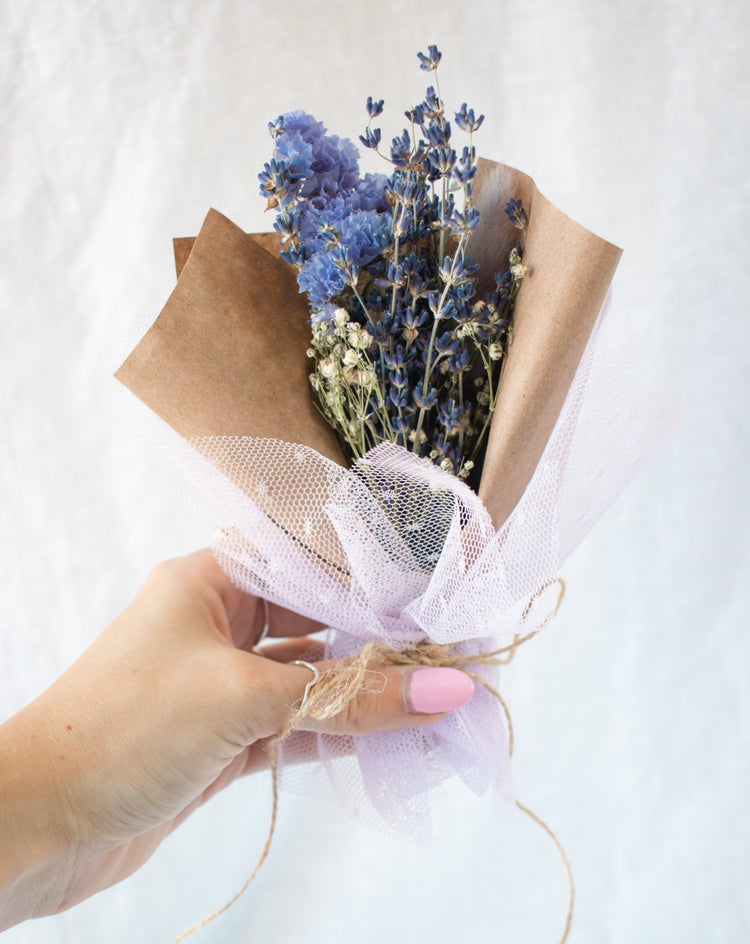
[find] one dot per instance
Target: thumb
(404, 697)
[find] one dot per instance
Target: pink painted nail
(430, 691)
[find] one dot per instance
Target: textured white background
(123, 121)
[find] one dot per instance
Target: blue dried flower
(371, 138)
(411, 321)
(392, 252)
(321, 278)
(295, 154)
(466, 168)
(460, 361)
(450, 415)
(335, 167)
(438, 133)
(293, 256)
(402, 427)
(442, 160)
(415, 115)
(401, 150)
(425, 401)
(429, 62)
(406, 189)
(322, 164)
(446, 343)
(457, 271)
(466, 120)
(371, 194)
(464, 222)
(364, 233)
(516, 214)
(280, 181)
(301, 123)
(398, 396)
(433, 107)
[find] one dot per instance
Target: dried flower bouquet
(450, 315)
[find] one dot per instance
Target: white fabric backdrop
(124, 121)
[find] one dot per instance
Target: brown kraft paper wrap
(227, 354)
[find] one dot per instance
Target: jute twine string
(338, 685)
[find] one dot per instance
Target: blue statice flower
(314, 162)
(324, 314)
(354, 237)
(301, 123)
(368, 207)
(365, 234)
(321, 278)
(335, 167)
(371, 193)
(295, 153)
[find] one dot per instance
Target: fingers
(285, 622)
(395, 697)
(404, 698)
(304, 648)
(271, 689)
(247, 612)
(301, 747)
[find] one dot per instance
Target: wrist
(38, 835)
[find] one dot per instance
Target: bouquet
(403, 406)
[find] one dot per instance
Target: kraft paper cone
(183, 246)
(570, 271)
(226, 356)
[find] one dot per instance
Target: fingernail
(430, 691)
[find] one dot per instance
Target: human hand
(166, 708)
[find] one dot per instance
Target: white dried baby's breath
(495, 351)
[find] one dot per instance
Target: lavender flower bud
(429, 62)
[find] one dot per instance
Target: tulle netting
(395, 550)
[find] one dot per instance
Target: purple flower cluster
(404, 351)
(319, 164)
(332, 221)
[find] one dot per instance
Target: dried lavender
(403, 350)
